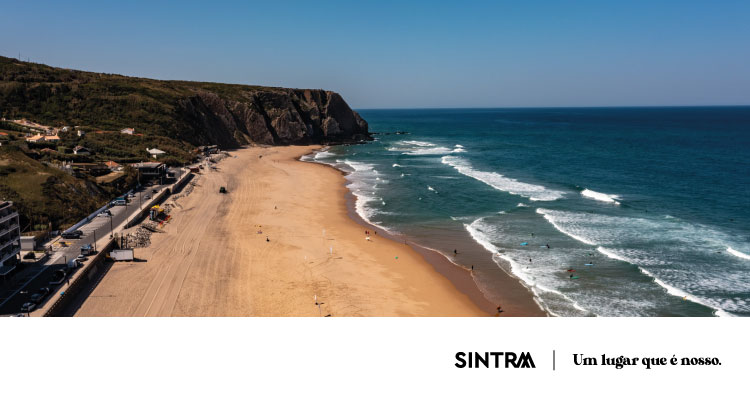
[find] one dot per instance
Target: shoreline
(516, 299)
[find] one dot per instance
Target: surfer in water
(548, 245)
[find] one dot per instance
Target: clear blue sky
(422, 54)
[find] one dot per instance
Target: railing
(6, 255)
(6, 244)
(8, 216)
(9, 229)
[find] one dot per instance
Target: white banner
(375, 358)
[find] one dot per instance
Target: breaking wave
(738, 253)
(607, 198)
(502, 183)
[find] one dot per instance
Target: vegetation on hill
(46, 197)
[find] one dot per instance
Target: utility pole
(140, 189)
(110, 226)
(94, 240)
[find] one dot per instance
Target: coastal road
(100, 227)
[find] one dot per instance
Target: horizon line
(551, 107)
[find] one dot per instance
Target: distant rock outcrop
(274, 117)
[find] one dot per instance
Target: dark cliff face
(195, 112)
(273, 117)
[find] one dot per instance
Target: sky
(401, 54)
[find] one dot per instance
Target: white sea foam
(438, 150)
(611, 254)
(738, 253)
(416, 143)
(502, 183)
(672, 290)
(476, 231)
(522, 205)
(683, 294)
(607, 198)
(420, 148)
(396, 165)
(317, 155)
(431, 189)
(552, 217)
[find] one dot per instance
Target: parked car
(28, 307)
(105, 213)
(72, 264)
(73, 235)
(58, 277)
(154, 191)
(39, 295)
(81, 258)
(146, 197)
(87, 249)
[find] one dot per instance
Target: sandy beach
(211, 259)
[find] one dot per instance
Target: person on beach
(267, 239)
(499, 310)
(472, 267)
(455, 252)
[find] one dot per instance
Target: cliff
(278, 116)
(194, 112)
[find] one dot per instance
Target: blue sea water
(649, 206)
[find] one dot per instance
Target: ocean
(599, 211)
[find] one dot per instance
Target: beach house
(155, 152)
(81, 151)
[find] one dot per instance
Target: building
(155, 152)
(10, 238)
(128, 131)
(81, 133)
(81, 151)
(35, 139)
(151, 170)
(28, 243)
(43, 138)
(94, 169)
(208, 150)
(113, 166)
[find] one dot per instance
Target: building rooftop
(147, 165)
